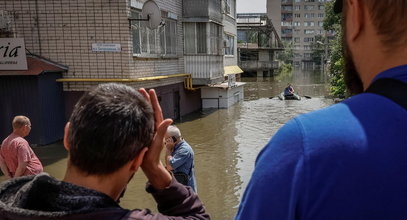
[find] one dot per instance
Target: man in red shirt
(16, 156)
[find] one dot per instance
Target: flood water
(226, 141)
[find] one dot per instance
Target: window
(287, 8)
(227, 6)
(308, 7)
(201, 36)
(230, 45)
(201, 40)
(159, 41)
(308, 39)
(168, 38)
(297, 40)
(309, 15)
(309, 24)
(297, 7)
(321, 15)
(215, 39)
(321, 7)
(297, 15)
(286, 23)
(309, 31)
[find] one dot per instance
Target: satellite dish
(151, 12)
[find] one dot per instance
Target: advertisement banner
(12, 54)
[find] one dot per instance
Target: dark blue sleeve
(275, 188)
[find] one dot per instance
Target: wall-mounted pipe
(187, 81)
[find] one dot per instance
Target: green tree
(332, 23)
(318, 49)
(287, 55)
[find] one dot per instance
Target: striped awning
(232, 70)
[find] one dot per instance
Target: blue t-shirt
(347, 161)
(183, 161)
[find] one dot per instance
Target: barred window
(162, 40)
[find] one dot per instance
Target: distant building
(301, 21)
(91, 42)
(257, 43)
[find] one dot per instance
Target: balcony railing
(205, 69)
(251, 65)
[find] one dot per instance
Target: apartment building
(301, 21)
(74, 45)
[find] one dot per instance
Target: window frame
(155, 39)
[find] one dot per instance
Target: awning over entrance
(36, 66)
(232, 70)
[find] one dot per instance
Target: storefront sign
(12, 54)
(106, 47)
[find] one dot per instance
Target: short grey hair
(173, 131)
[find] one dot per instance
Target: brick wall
(64, 30)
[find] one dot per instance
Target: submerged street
(226, 141)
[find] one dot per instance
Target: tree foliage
(318, 49)
(332, 22)
(287, 55)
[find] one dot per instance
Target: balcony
(202, 10)
(254, 65)
(205, 69)
(287, 2)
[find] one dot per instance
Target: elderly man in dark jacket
(113, 131)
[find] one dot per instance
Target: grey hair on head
(173, 131)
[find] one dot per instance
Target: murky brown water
(226, 141)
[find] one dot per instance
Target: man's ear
(355, 16)
(138, 160)
(66, 142)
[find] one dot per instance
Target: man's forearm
(4, 169)
(179, 200)
(21, 169)
(158, 176)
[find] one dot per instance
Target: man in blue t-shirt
(347, 161)
(180, 157)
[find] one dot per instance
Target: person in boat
(289, 90)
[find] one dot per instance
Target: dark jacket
(44, 197)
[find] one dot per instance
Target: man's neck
(108, 184)
(18, 132)
(381, 64)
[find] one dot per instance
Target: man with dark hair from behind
(112, 132)
(347, 161)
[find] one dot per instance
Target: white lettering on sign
(106, 47)
(12, 54)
